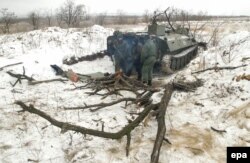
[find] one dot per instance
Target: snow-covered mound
(40, 48)
(67, 42)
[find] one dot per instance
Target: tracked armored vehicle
(175, 48)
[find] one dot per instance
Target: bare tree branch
(14, 64)
(79, 129)
(100, 105)
(219, 68)
(161, 123)
(20, 77)
(219, 131)
(47, 81)
(128, 144)
(160, 108)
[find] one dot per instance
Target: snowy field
(222, 103)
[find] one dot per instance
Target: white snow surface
(221, 103)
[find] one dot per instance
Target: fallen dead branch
(14, 64)
(32, 160)
(128, 144)
(69, 127)
(143, 99)
(245, 58)
(79, 129)
(31, 80)
(219, 68)
(161, 111)
(74, 60)
(20, 77)
(113, 85)
(47, 81)
(188, 86)
(100, 105)
(117, 80)
(217, 130)
(161, 122)
(166, 140)
(78, 87)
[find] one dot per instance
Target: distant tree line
(7, 19)
(70, 14)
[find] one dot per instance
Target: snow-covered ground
(222, 103)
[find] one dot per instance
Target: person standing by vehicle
(148, 59)
(122, 54)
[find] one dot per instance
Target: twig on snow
(1, 68)
(217, 130)
(47, 81)
(219, 68)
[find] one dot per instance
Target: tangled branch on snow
(160, 108)
(113, 85)
(31, 80)
(20, 77)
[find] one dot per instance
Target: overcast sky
(212, 7)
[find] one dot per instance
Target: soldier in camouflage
(148, 59)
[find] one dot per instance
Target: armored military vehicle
(175, 48)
